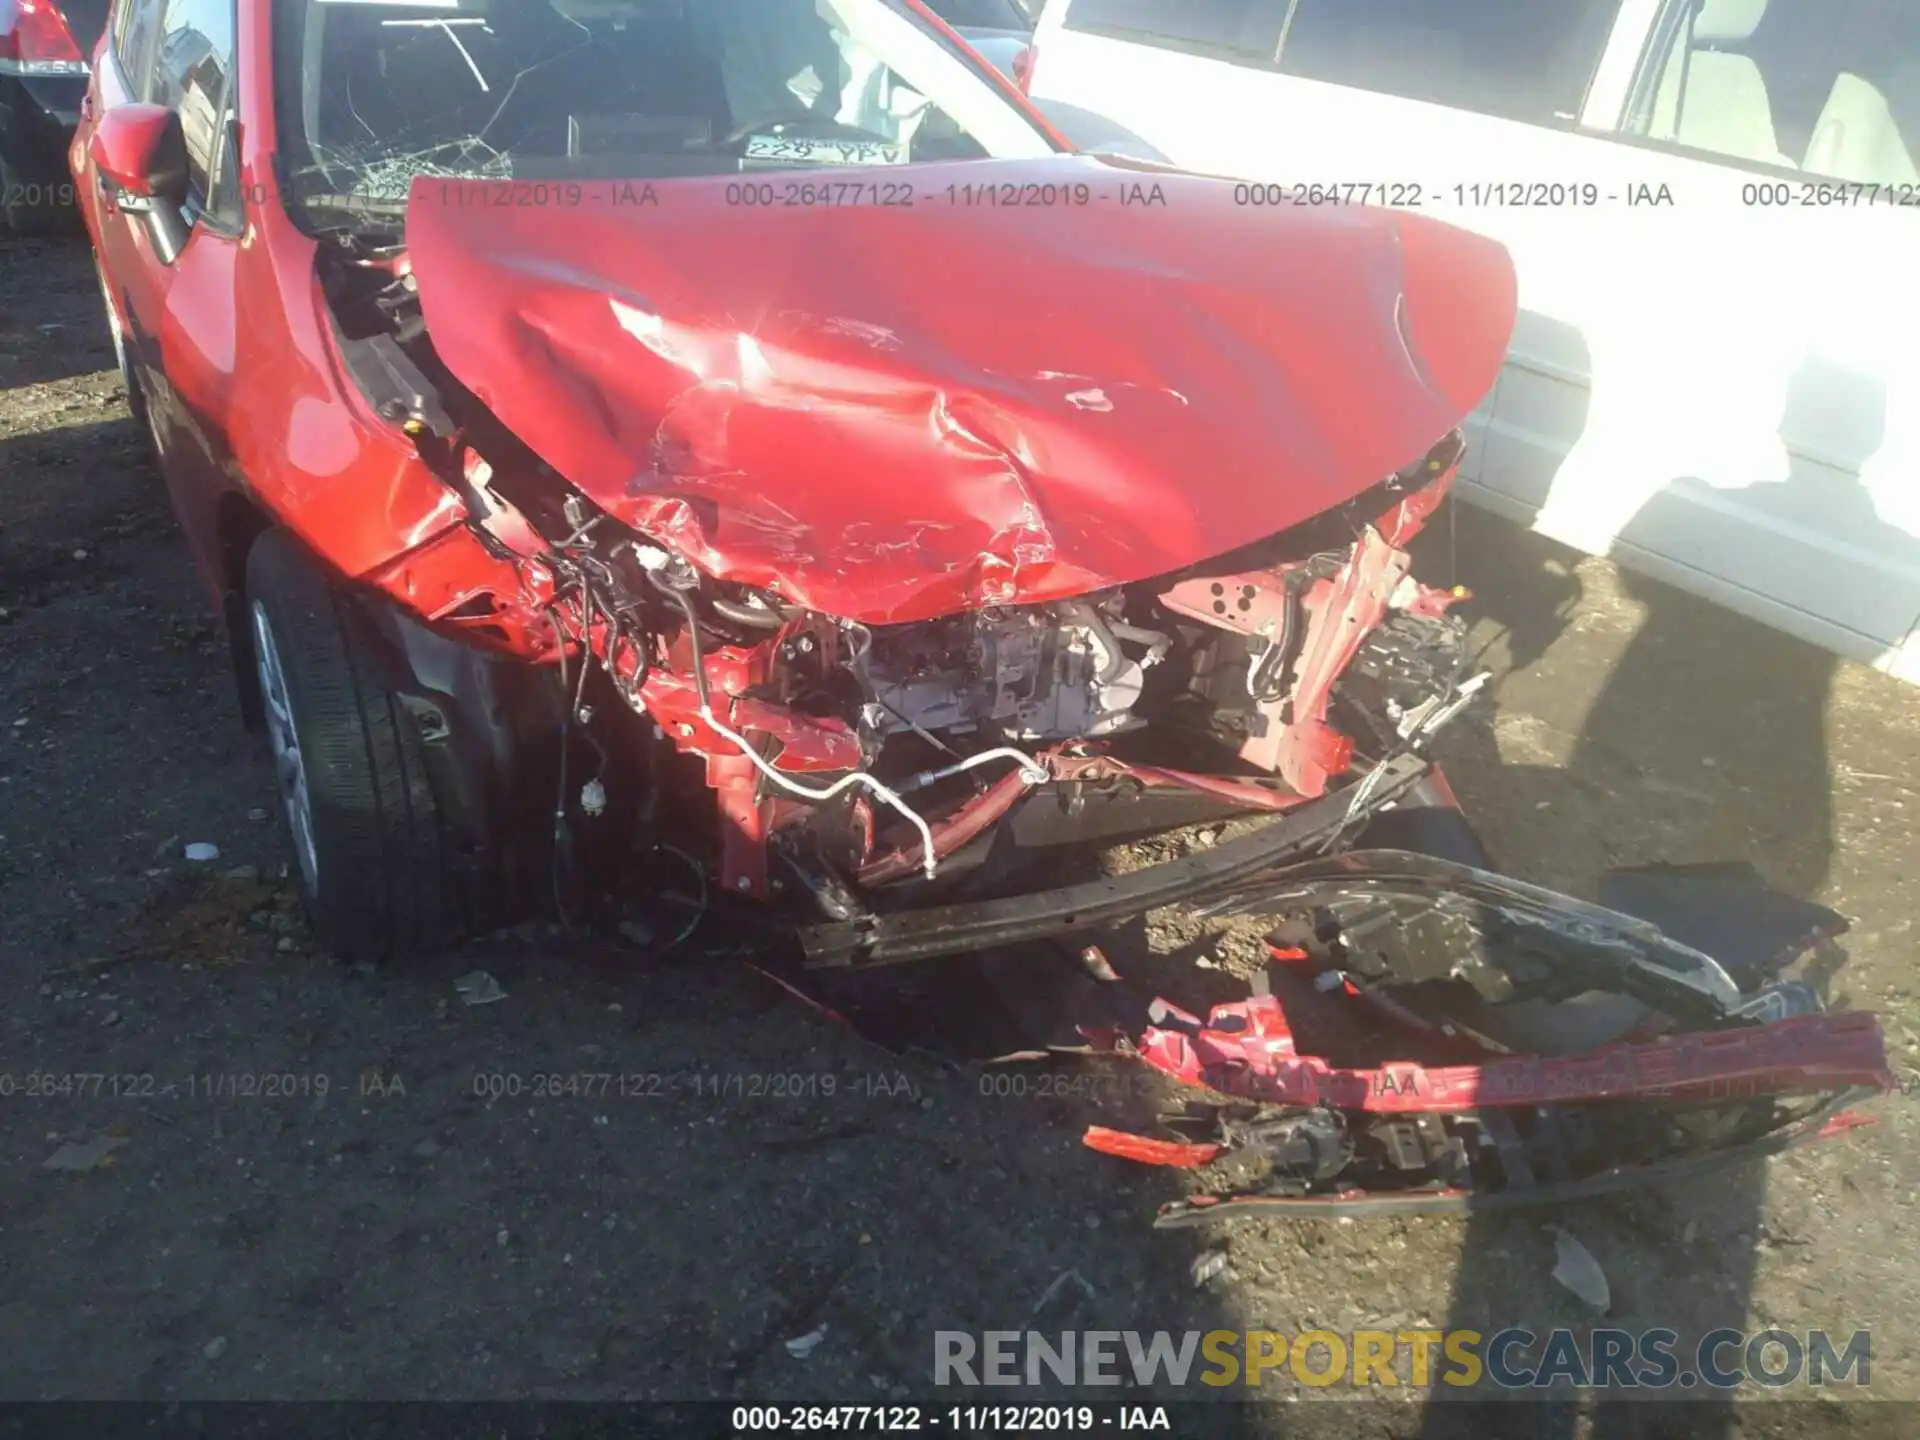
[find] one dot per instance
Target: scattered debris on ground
(477, 987)
(1576, 1269)
(801, 1346)
(86, 1155)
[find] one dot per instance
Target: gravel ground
(403, 1236)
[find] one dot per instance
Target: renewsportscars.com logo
(1513, 1359)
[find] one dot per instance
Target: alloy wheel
(288, 762)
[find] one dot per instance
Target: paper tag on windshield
(806, 150)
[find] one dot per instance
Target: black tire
(380, 883)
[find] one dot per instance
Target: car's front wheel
(366, 828)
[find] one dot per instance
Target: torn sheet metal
(879, 410)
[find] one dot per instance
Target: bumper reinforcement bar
(923, 934)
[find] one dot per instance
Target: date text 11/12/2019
(953, 1419)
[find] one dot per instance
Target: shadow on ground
(1634, 724)
(51, 325)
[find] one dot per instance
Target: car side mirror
(142, 151)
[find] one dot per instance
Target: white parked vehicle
(1714, 210)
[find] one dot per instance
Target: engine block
(1047, 673)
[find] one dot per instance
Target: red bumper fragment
(1246, 1050)
(1149, 1151)
(1440, 1115)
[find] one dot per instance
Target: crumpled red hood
(891, 411)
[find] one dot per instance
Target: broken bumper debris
(1605, 1054)
(1827, 1120)
(1501, 1044)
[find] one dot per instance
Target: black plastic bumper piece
(1374, 1205)
(952, 929)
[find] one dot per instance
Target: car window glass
(1240, 29)
(1827, 86)
(223, 192)
(139, 23)
(376, 95)
(1518, 59)
(980, 14)
(190, 75)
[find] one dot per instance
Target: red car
(729, 448)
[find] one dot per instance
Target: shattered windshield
(373, 93)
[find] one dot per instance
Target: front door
(179, 313)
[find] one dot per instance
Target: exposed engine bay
(875, 785)
(853, 731)
(1262, 674)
